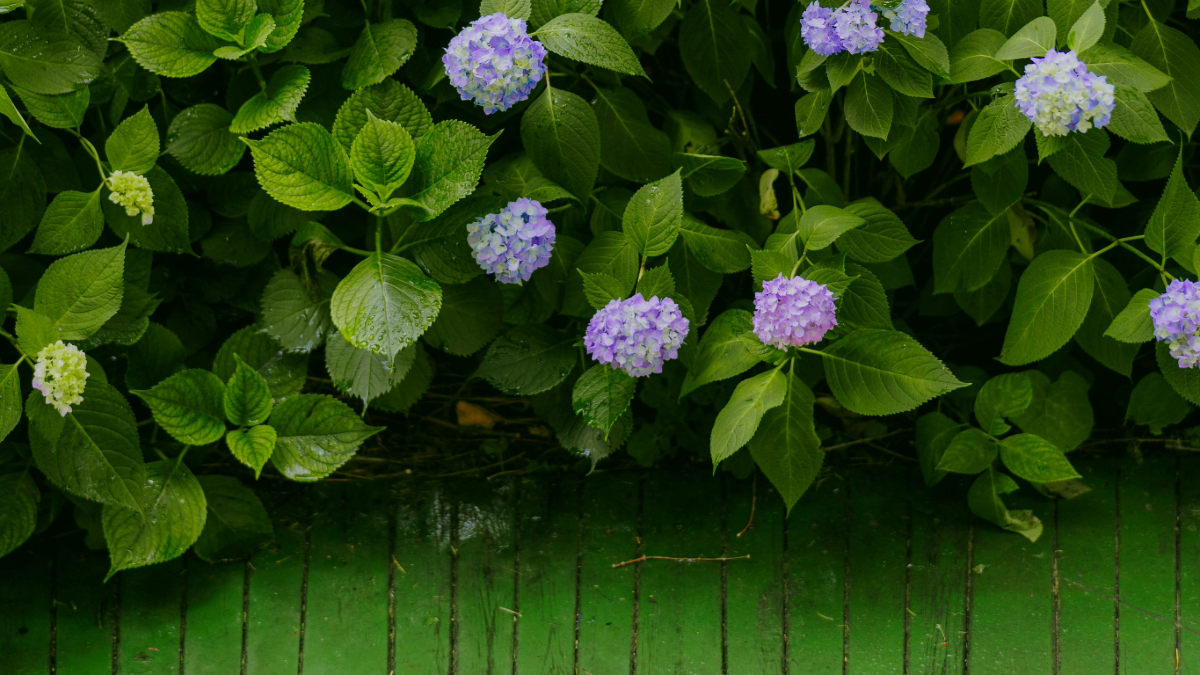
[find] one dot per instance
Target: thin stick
(660, 557)
(753, 503)
(860, 441)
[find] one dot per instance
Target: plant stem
(1122, 242)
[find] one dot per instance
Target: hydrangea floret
(494, 62)
(849, 28)
(816, 28)
(1176, 318)
(908, 17)
(636, 335)
(61, 374)
(132, 192)
(513, 243)
(793, 312)
(1059, 95)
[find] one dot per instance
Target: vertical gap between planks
(637, 577)
(1055, 595)
(52, 659)
(578, 570)
(787, 604)
(1178, 562)
(115, 617)
(304, 588)
(908, 567)
(847, 580)
(391, 505)
(454, 543)
(516, 639)
(183, 605)
(246, 568)
(1117, 572)
(970, 588)
(724, 588)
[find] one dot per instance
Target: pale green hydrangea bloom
(132, 192)
(61, 374)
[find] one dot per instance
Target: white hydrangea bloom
(61, 374)
(132, 192)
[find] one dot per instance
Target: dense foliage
(740, 230)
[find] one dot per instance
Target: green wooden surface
(416, 577)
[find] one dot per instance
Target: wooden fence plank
(610, 518)
(150, 619)
(1147, 565)
(549, 540)
(25, 597)
(679, 628)
(214, 618)
(423, 580)
(816, 565)
(276, 585)
(878, 541)
(486, 520)
(941, 528)
(1189, 563)
(83, 614)
(1087, 573)
(754, 595)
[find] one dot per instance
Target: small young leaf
(1133, 324)
(970, 452)
(277, 103)
(247, 396)
(1006, 395)
(738, 421)
(252, 446)
(1036, 459)
(133, 145)
(382, 155)
(188, 405)
(654, 215)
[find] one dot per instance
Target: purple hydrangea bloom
(793, 312)
(908, 17)
(636, 335)
(1176, 317)
(494, 62)
(855, 26)
(513, 243)
(1059, 95)
(816, 27)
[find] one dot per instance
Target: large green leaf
(1005, 395)
(302, 166)
(654, 215)
(288, 15)
(1176, 55)
(274, 104)
(638, 17)
(984, 501)
(23, 194)
(585, 38)
(365, 374)
(315, 436)
(19, 497)
(1000, 127)
(629, 145)
(974, 57)
(225, 19)
(1121, 66)
(291, 315)
(380, 51)
(968, 247)
(62, 111)
(171, 520)
(1035, 459)
(448, 164)
(133, 145)
(237, 525)
(610, 253)
(728, 348)
(1134, 117)
(171, 44)
(472, 314)
(1133, 324)
(882, 237)
(44, 61)
(81, 292)
(1007, 16)
(389, 100)
(786, 446)
(10, 399)
(1108, 301)
(1155, 404)
(715, 47)
(189, 405)
(869, 106)
(722, 251)
(1080, 161)
(1060, 411)
(72, 222)
(170, 232)
(1175, 223)
(385, 303)
(1033, 39)
(285, 372)
(901, 72)
(1052, 301)
(882, 372)
(560, 132)
(738, 421)
(529, 360)
(970, 452)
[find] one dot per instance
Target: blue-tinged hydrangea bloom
(636, 335)
(61, 374)
(513, 243)
(908, 17)
(1059, 95)
(793, 312)
(816, 27)
(1176, 317)
(494, 62)
(132, 192)
(854, 23)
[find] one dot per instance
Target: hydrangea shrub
(747, 232)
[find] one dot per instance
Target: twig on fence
(660, 557)
(753, 503)
(860, 441)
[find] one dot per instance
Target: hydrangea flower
(793, 312)
(132, 192)
(1059, 95)
(636, 335)
(1176, 318)
(854, 23)
(513, 243)
(908, 17)
(816, 27)
(494, 62)
(61, 374)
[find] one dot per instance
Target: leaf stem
(1122, 242)
(262, 83)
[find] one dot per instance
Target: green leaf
(770, 265)
(1033, 39)
(601, 395)
(1133, 325)
(155, 357)
(362, 373)
(545, 10)
(133, 145)
(252, 446)
(528, 360)
(247, 397)
(23, 194)
(933, 435)
(385, 303)
(316, 435)
(708, 175)
(1086, 31)
(292, 316)
(1003, 188)
(968, 247)
(19, 497)
(401, 398)
(472, 314)
(929, 52)
(237, 526)
(788, 159)
(600, 289)
(1006, 15)
(1155, 404)
(630, 146)
(821, 225)
(45, 62)
(984, 501)
(225, 19)
(1109, 299)
(585, 38)
(1036, 459)
(969, 452)
(901, 72)
(9, 110)
(171, 520)
(277, 103)
(786, 446)
(1065, 13)
(722, 251)
(715, 47)
(81, 292)
(639, 17)
(1052, 300)
(738, 421)
(654, 215)
(726, 349)
(200, 138)
(388, 100)
(658, 282)
(810, 112)
(864, 304)
(609, 253)
(93, 451)
(1120, 66)
(288, 15)
(869, 106)
(171, 44)
(1185, 381)
(1176, 55)
(256, 33)
(10, 400)
(1134, 117)
(285, 373)
(302, 166)
(448, 164)
(514, 9)
(1175, 223)
(1060, 412)
(882, 372)
(189, 406)
(999, 128)
(382, 155)
(170, 231)
(974, 57)
(1006, 395)
(73, 222)
(562, 136)
(61, 111)
(380, 51)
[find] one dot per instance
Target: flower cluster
(1058, 94)
(636, 335)
(908, 17)
(61, 374)
(1176, 317)
(494, 62)
(850, 28)
(132, 192)
(513, 243)
(793, 312)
